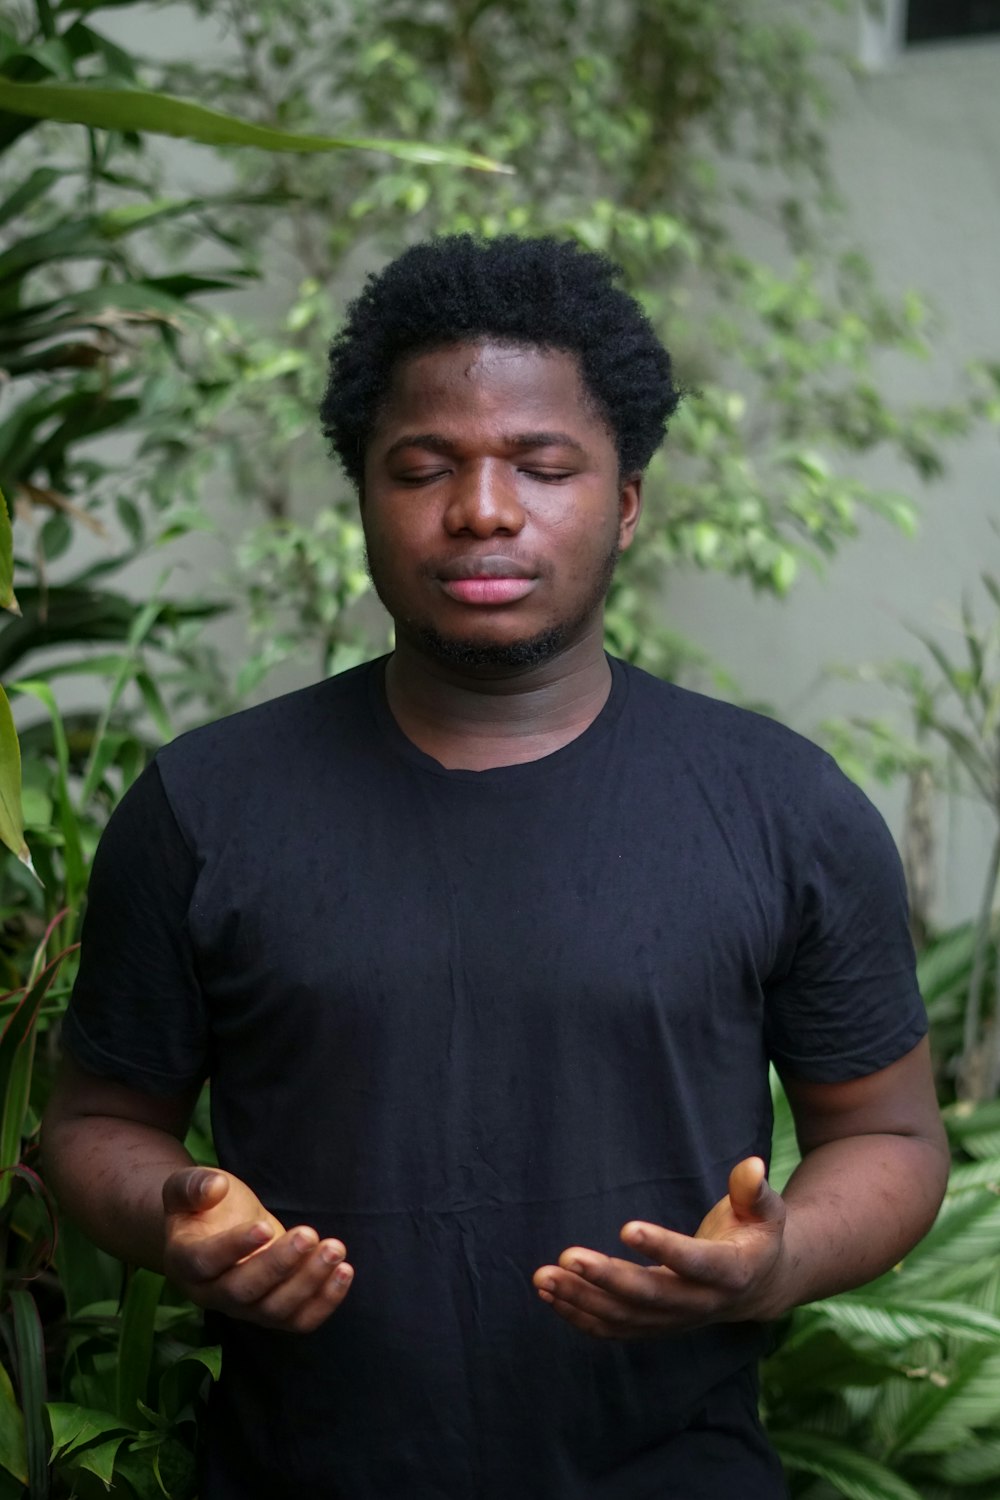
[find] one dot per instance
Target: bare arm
(116, 1160)
(106, 1152)
(874, 1170)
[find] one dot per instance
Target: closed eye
(422, 477)
(547, 476)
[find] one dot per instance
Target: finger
(327, 1300)
(589, 1323)
(717, 1263)
(193, 1258)
(308, 1297)
(620, 1279)
(643, 1299)
(193, 1189)
(751, 1195)
(253, 1279)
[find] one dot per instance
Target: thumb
(193, 1189)
(751, 1195)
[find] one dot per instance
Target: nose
(484, 501)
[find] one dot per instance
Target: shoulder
(319, 709)
(751, 770)
(730, 739)
(262, 747)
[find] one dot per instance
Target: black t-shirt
(465, 1019)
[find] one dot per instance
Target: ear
(629, 509)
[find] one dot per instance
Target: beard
(469, 654)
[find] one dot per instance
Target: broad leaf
(960, 1237)
(941, 1414)
(75, 1426)
(972, 1464)
(896, 1323)
(99, 1459)
(181, 1381)
(853, 1473)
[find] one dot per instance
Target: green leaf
(972, 1464)
(11, 811)
(162, 114)
(17, 1050)
(135, 1346)
(964, 1235)
(941, 1414)
(815, 1357)
(13, 1455)
(86, 1274)
(897, 1323)
(785, 1154)
(968, 1119)
(75, 1426)
(181, 1381)
(7, 599)
(56, 537)
(100, 1459)
(68, 822)
(946, 962)
(30, 1350)
(35, 186)
(853, 1473)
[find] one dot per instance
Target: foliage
(953, 744)
(892, 1392)
(672, 135)
(80, 292)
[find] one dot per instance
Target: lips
(487, 580)
(488, 590)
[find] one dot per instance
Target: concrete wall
(917, 152)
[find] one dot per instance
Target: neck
(475, 721)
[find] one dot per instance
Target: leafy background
(163, 353)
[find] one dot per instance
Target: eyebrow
(521, 441)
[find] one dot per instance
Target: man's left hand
(726, 1272)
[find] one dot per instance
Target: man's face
(493, 507)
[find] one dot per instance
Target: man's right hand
(226, 1252)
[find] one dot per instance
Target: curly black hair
(541, 293)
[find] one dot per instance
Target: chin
(490, 655)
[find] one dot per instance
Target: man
(486, 948)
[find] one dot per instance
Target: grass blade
(17, 1050)
(162, 114)
(30, 1349)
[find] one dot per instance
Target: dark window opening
(945, 20)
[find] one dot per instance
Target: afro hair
(541, 293)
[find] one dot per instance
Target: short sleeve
(844, 1002)
(137, 1013)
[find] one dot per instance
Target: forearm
(108, 1176)
(855, 1207)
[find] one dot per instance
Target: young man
(486, 948)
